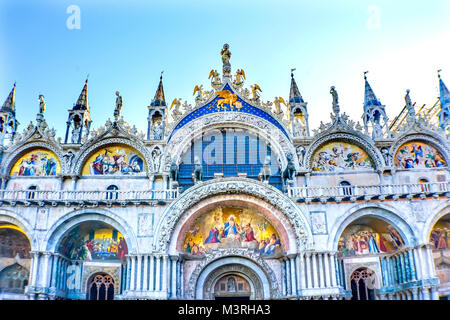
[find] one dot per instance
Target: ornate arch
(80, 159)
(181, 139)
(355, 138)
(56, 233)
(24, 148)
(440, 145)
(382, 212)
(23, 223)
(171, 217)
(431, 221)
(243, 257)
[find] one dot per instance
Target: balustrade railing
(106, 195)
(293, 192)
(374, 190)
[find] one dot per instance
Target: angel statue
(118, 106)
(277, 102)
(199, 98)
(215, 79)
(409, 105)
(255, 93)
(41, 104)
(176, 113)
(226, 55)
(335, 100)
(239, 78)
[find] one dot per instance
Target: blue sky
(124, 45)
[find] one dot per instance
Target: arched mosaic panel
(115, 159)
(93, 240)
(232, 228)
(37, 163)
(417, 154)
(340, 156)
(440, 234)
(369, 236)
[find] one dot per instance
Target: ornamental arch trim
(84, 154)
(59, 228)
(425, 137)
(359, 141)
(182, 138)
(172, 215)
(382, 212)
(11, 160)
(15, 219)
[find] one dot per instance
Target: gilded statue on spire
(215, 79)
(118, 106)
(226, 55)
(334, 94)
(239, 78)
(42, 104)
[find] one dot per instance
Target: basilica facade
(230, 197)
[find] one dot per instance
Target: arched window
(111, 194)
(346, 188)
(363, 284)
(31, 194)
(101, 287)
(14, 278)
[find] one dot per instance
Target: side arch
(65, 223)
(431, 221)
(15, 219)
(381, 212)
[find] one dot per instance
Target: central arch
(286, 216)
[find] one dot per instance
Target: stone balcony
(152, 197)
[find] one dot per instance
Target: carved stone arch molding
(279, 142)
(194, 195)
(16, 219)
(357, 139)
(379, 211)
(64, 224)
(439, 144)
(24, 148)
(218, 262)
(81, 158)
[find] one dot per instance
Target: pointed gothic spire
(370, 99)
(83, 102)
(444, 93)
(159, 99)
(10, 103)
(294, 94)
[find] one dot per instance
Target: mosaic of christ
(232, 228)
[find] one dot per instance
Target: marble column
(315, 273)
(308, 270)
(173, 275)
(293, 276)
(139, 273)
(158, 273)
(45, 269)
(429, 255)
(165, 273)
(288, 277)
(151, 271)
(133, 273)
(326, 257)
(333, 269)
(418, 263)
(412, 267)
(300, 272)
(321, 270)
(145, 274)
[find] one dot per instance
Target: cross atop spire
(10, 103)
(294, 94)
(83, 102)
(370, 99)
(159, 99)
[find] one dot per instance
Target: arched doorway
(363, 284)
(101, 287)
(15, 260)
(232, 286)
